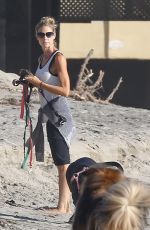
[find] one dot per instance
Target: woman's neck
(47, 53)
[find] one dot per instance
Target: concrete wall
(112, 39)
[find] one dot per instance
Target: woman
(52, 80)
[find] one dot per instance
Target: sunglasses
(42, 35)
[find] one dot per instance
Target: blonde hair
(125, 206)
(46, 21)
(109, 200)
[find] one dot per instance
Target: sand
(104, 133)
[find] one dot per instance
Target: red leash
(24, 97)
(28, 123)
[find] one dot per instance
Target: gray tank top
(60, 105)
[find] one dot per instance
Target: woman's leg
(61, 157)
(64, 192)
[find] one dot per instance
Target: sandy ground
(104, 132)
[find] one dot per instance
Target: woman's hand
(33, 80)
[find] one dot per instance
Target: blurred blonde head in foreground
(110, 201)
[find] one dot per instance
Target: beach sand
(104, 133)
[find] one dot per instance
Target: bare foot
(55, 210)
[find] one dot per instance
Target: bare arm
(61, 70)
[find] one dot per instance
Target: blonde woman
(52, 79)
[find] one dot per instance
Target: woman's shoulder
(59, 57)
(59, 53)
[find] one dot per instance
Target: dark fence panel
(2, 34)
(88, 10)
(17, 35)
(73, 10)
